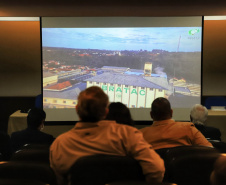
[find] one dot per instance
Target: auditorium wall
(20, 47)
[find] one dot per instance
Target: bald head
(161, 109)
(92, 104)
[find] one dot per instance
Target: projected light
(134, 60)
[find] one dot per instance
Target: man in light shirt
(166, 133)
(93, 135)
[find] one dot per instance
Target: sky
(145, 38)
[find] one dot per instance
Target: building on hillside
(61, 99)
(49, 78)
(129, 86)
(135, 91)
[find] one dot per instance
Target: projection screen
(133, 59)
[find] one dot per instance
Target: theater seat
(36, 146)
(103, 169)
(219, 145)
(138, 183)
(31, 154)
(27, 171)
(184, 164)
(20, 182)
(191, 165)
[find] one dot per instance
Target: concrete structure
(147, 68)
(132, 90)
(49, 78)
(60, 99)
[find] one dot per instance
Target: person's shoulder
(18, 133)
(127, 130)
(60, 140)
(185, 126)
(117, 127)
(112, 124)
(145, 129)
(186, 123)
(123, 126)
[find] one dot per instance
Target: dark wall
(20, 55)
(112, 8)
(20, 71)
(214, 57)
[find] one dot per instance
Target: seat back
(32, 154)
(36, 146)
(20, 182)
(190, 165)
(27, 171)
(103, 169)
(138, 183)
(219, 145)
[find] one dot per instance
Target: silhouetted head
(161, 109)
(198, 114)
(120, 113)
(36, 118)
(218, 176)
(92, 104)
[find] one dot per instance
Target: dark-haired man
(94, 135)
(166, 133)
(32, 134)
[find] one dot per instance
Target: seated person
(119, 113)
(217, 176)
(93, 135)
(32, 134)
(166, 133)
(198, 116)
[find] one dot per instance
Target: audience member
(166, 133)
(198, 116)
(119, 113)
(94, 135)
(32, 134)
(218, 176)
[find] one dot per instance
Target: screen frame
(137, 122)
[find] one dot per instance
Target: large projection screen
(133, 59)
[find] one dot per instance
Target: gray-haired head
(198, 114)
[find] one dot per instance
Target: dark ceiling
(111, 7)
(112, 2)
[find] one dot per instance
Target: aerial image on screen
(133, 65)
